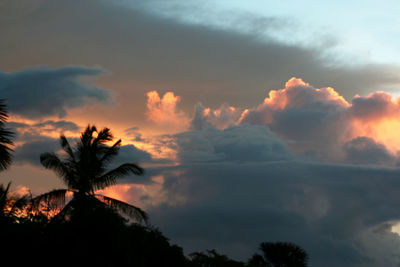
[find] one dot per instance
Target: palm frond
(3, 111)
(67, 148)
(87, 135)
(52, 162)
(5, 157)
(20, 204)
(51, 203)
(110, 152)
(55, 197)
(103, 137)
(110, 178)
(4, 197)
(132, 211)
(6, 135)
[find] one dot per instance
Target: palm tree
(84, 170)
(5, 138)
(280, 254)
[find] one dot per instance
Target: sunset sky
(254, 120)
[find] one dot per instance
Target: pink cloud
(163, 110)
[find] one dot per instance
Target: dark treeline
(75, 226)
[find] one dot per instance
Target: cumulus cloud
(163, 110)
(364, 150)
(315, 123)
(321, 124)
(312, 120)
(40, 92)
(236, 143)
(221, 118)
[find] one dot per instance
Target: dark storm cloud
(130, 153)
(241, 186)
(28, 132)
(30, 151)
(237, 143)
(152, 51)
(364, 150)
(40, 92)
(329, 210)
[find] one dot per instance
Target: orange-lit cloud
(163, 110)
(143, 195)
(129, 193)
(220, 118)
(320, 118)
(315, 121)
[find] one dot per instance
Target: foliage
(6, 137)
(213, 259)
(280, 254)
(101, 239)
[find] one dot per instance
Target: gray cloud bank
(340, 214)
(40, 92)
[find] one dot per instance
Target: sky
(254, 120)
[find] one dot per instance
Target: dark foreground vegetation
(102, 237)
(75, 226)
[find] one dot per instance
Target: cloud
(320, 123)
(315, 123)
(164, 110)
(30, 151)
(146, 50)
(27, 131)
(364, 150)
(40, 92)
(130, 153)
(321, 207)
(375, 106)
(220, 118)
(237, 143)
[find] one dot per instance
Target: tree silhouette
(280, 254)
(212, 259)
(13, 208)
(6, 137)
(83, 169)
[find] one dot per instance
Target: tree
(83, 169)
(280, 254)
(13, 208)
(6, 137)
(212, 259)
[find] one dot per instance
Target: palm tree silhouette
(83, 170)
(5, 138)
(280, 254)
